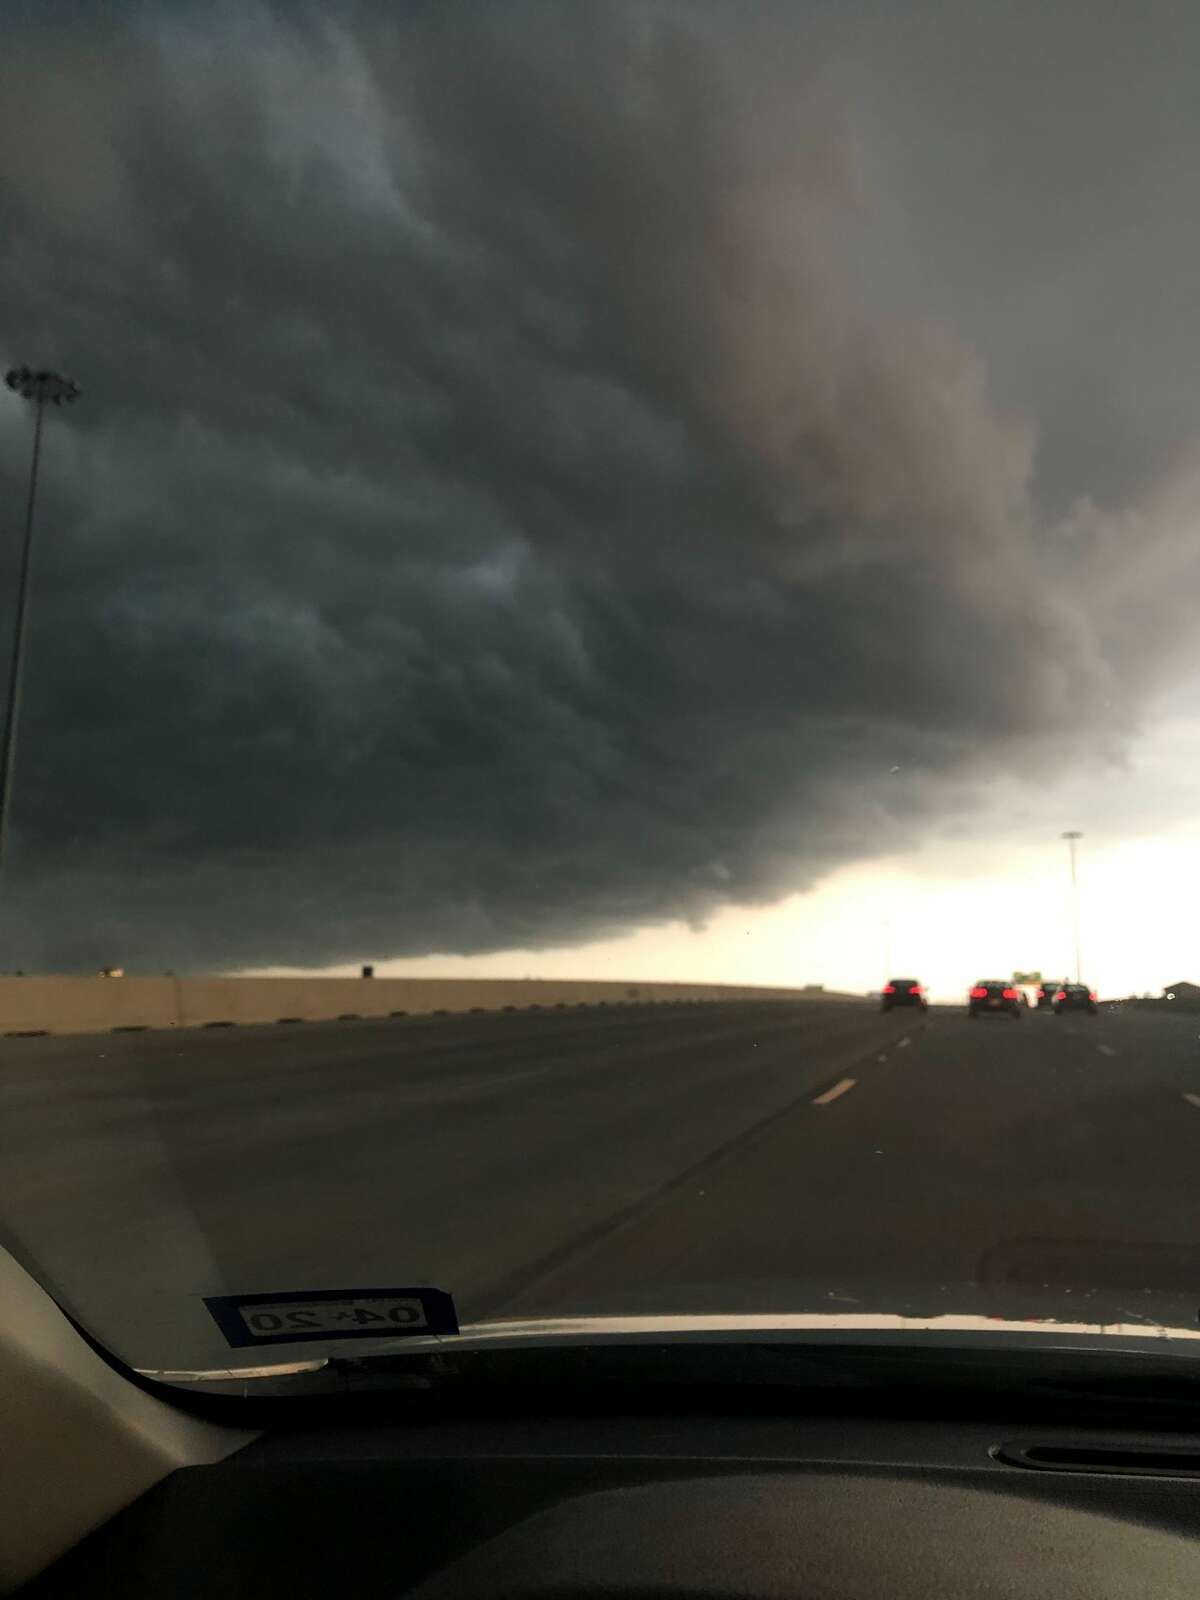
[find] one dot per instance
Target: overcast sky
(556, 482)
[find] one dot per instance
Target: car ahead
(994, 997)
(1075, 997)
(903, 992)
(1046, 993)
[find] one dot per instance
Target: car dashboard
(626, 1502)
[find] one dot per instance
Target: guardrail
(1182, 1003)
(96, 1005)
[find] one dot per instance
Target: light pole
(41, 388)
(1071, 838)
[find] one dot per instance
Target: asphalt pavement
(806, 1156)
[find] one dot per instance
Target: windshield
(545, 551)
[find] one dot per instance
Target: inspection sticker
(307, 1314)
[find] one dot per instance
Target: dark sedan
(1075, 997)
(903, 992)
(994, 997)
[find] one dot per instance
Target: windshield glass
(547, 549)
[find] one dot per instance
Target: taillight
(979, 992)
(1011, 994)
(889, 988)
(1091, 994)
(1061, 995)
(914, 988)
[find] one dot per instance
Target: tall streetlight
(1071, 838)
(42, 389)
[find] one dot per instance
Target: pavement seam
(495, 1300)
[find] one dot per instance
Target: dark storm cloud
(499, 513)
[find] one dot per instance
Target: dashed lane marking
(1106, 1050)
(1193, 1100)
(838, 1089)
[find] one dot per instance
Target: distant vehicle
(994, 997)
(1046, 993)
(1075, 997)
(903, 992)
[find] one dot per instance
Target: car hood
(837, 1329)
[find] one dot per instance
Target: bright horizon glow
(896, 918)
(991, 901)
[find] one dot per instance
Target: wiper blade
(282, 1369)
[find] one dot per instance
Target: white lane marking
(1106, 1050)
(1193, 1100)
(902, 1043)
(838, 1089)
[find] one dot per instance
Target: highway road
(806, 1156)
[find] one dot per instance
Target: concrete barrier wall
(87, 1005)
(96, 1005)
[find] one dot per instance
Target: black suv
(994, 997)
(903, 992)
(1075, 997)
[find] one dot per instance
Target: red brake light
(1092, 994)
(889, 988)
(978, 992)
(915, 988)
(1061, 995)
(1011, 994)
